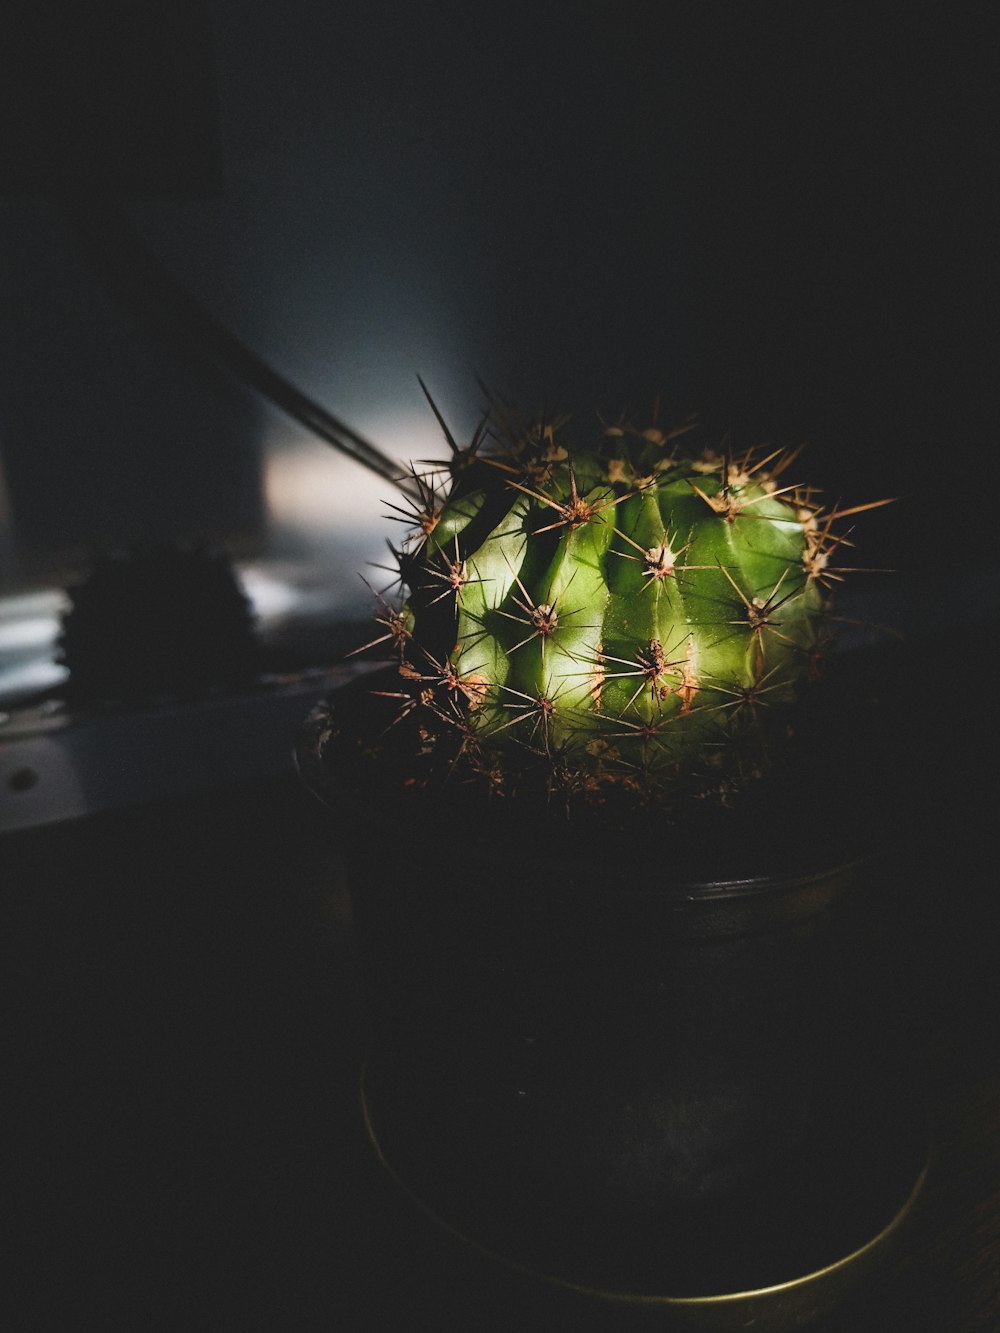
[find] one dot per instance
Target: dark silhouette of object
(157, 621)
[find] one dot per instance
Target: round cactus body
(632, 615)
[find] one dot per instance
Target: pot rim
(336, 796)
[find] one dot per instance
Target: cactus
(633, 615)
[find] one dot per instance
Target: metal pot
(662, 1068)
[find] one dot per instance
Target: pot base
(775, 1259)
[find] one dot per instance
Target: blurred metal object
(62, 760)
(136, 276)
(58, 765)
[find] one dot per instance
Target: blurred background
(232, 234)
(222, 224)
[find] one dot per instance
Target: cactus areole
(592, 623)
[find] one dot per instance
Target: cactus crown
(626, 618)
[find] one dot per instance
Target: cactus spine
(628, 616)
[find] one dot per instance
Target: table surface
(183, 1038)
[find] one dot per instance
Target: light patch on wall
(271, 596)
(307, 485)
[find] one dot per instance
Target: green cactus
(632, 615)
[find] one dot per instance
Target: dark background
(781, 216)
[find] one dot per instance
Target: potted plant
(620, 891)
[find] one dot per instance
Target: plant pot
(662, 1063)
